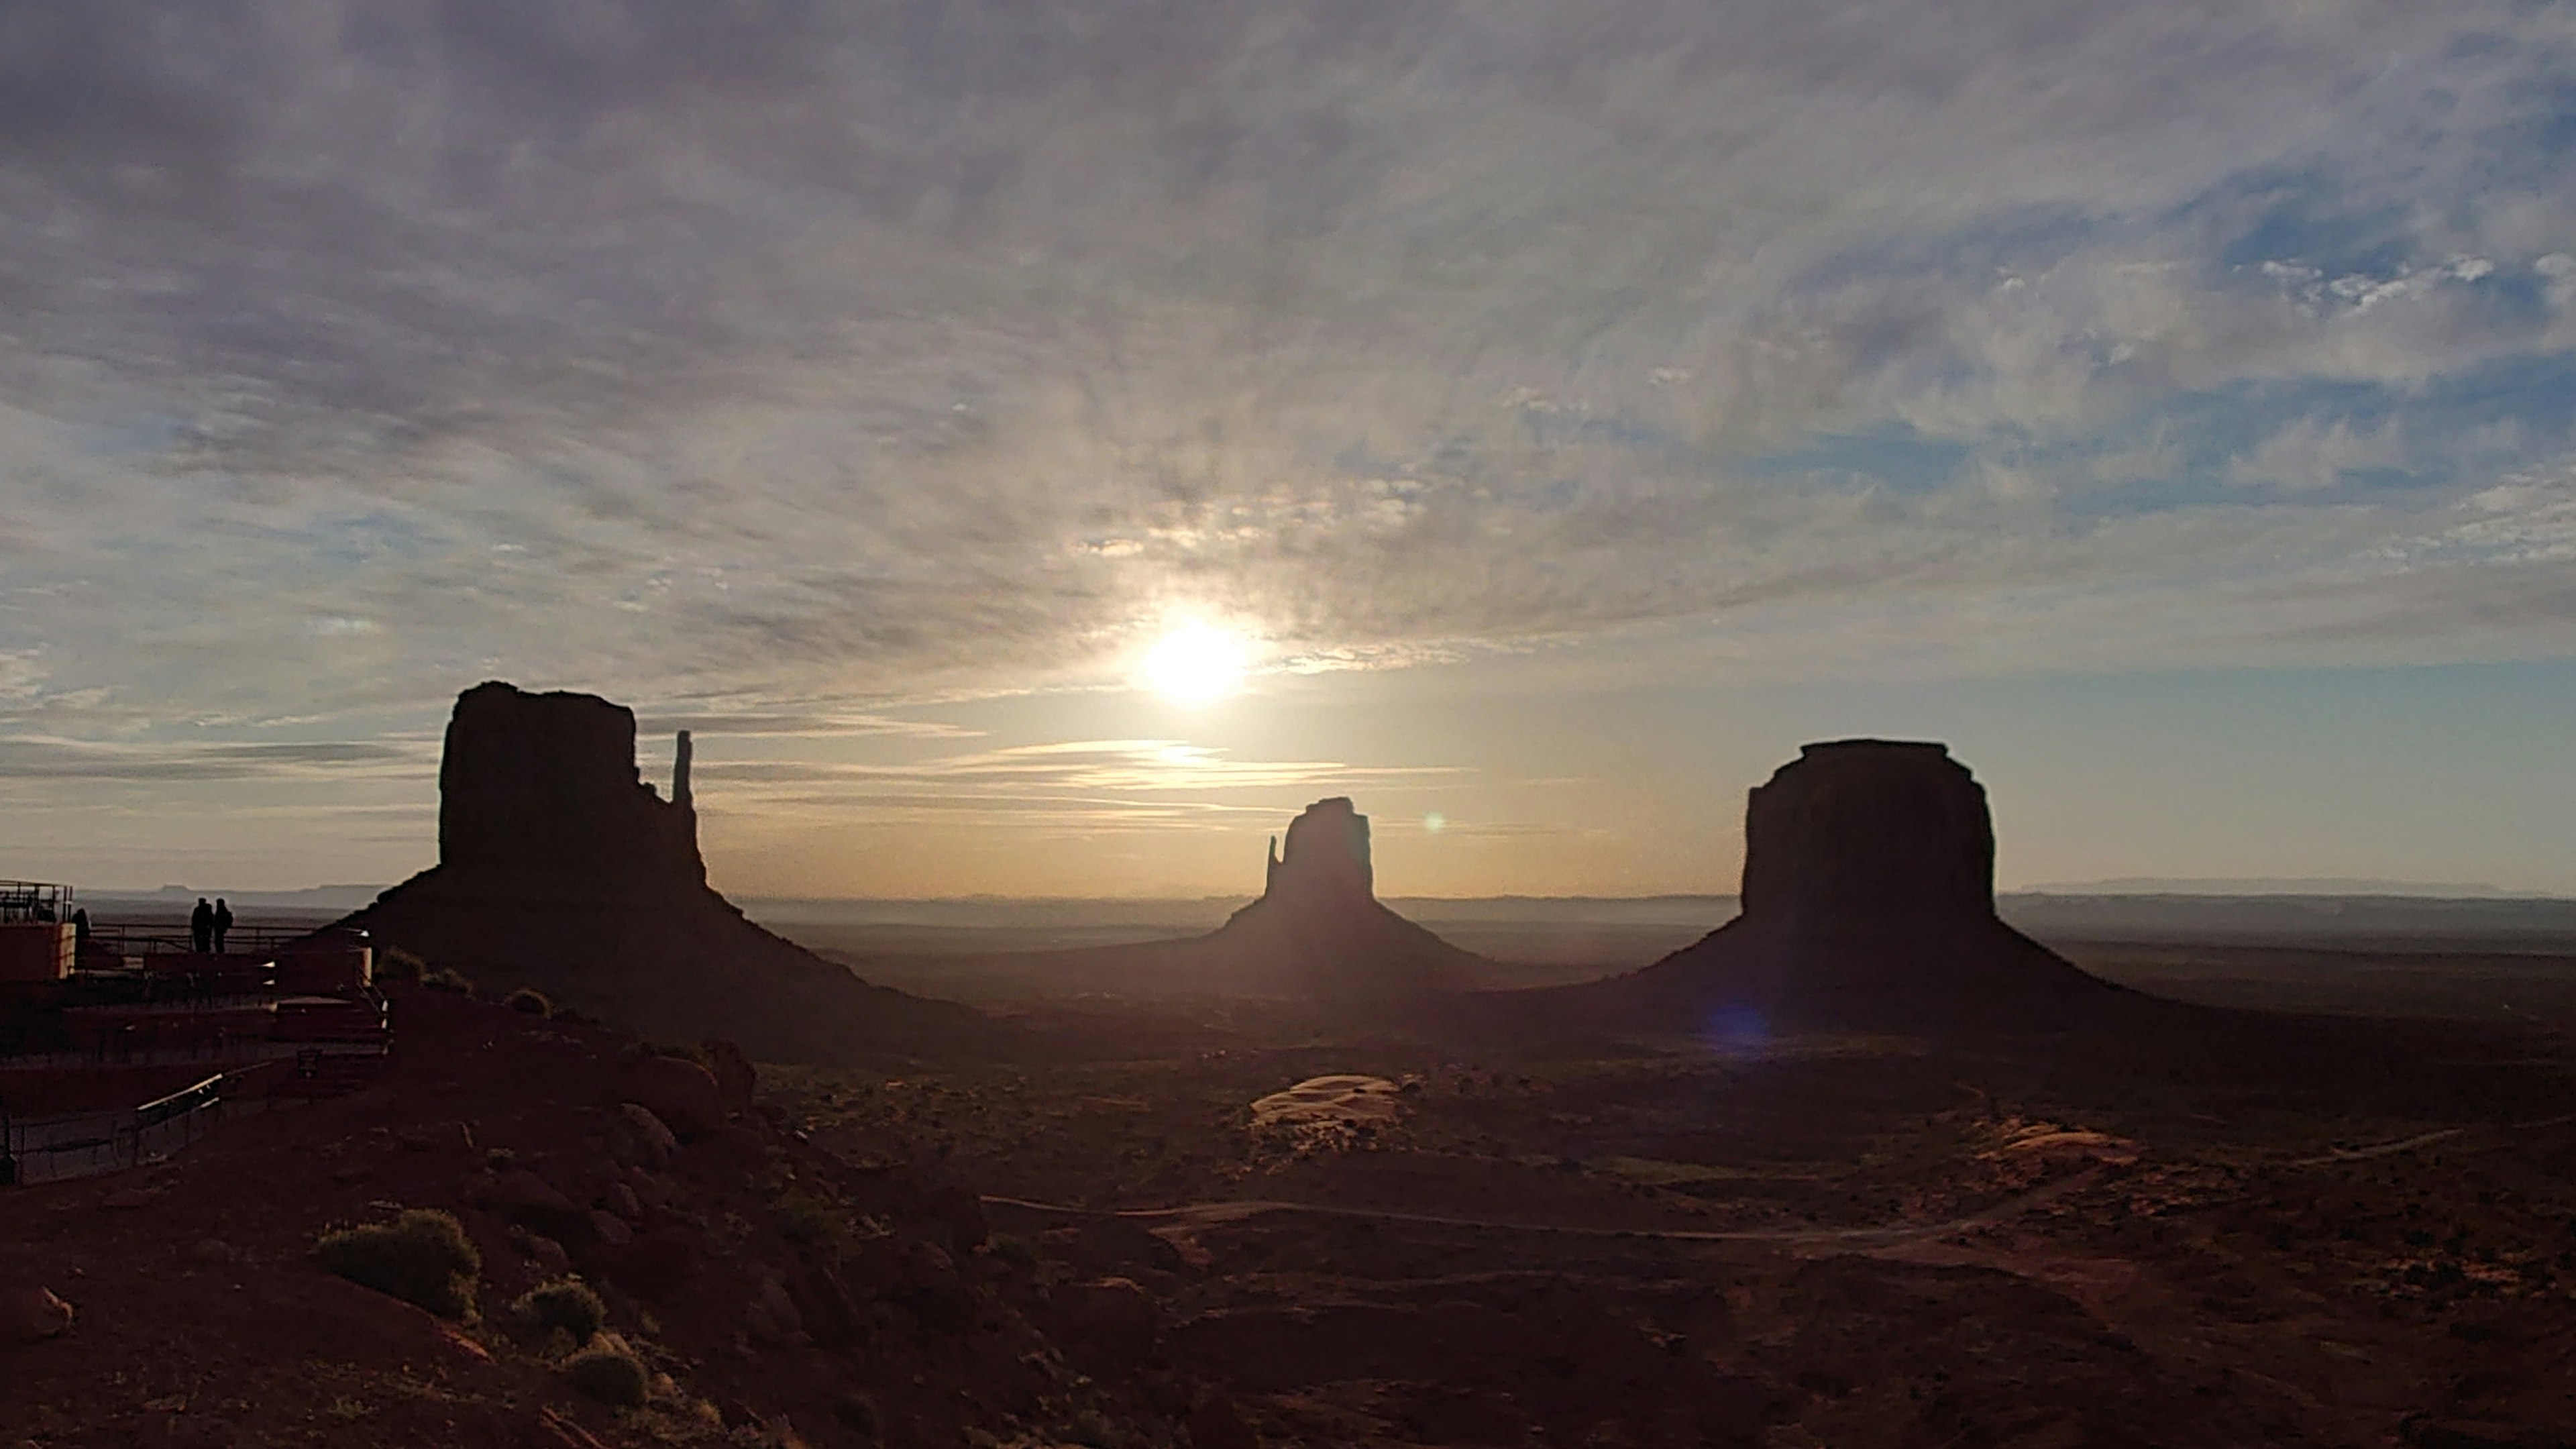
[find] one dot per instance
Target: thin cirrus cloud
(879, 351)
(1080, 766)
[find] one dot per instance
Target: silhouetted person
(201, 927)
(223, 923)
(80, 932)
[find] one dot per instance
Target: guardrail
(85, 1144)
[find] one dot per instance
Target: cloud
(1144, 766)
(870, 352)
(75, 762)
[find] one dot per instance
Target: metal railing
(34, 900)
(85, 1144)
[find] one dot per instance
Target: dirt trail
(1236, 1210)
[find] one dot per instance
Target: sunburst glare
(1196, 664)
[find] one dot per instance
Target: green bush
(396, 966)
(567, 1304)
(529, 1001)
(609, 1375)
(449, 979)
(422, 1257)
(814, 1221)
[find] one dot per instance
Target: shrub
(422, 1257)
(612, 1376)
(808, 1219)
(858, 1414)
(447, 978)
(394, 965)
(567, 1304)
(529, 1001)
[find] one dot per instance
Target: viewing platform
(109, 1031)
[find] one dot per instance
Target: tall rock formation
(1318, 934)
(1319, 930)
(538, 795)
(561, 869)
(1868, 901)
(1866, 839)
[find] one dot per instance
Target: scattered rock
(32, 1314)
(1115, 1322)
(1216, 1424)
(623, 1202)
(545, 1251)
(522, 1197)
(640, 1139)
(127, 1199)
(611, 1229)
(213, 1252)
(680, 1092)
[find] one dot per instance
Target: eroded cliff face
(542, 789)
(1869, 839)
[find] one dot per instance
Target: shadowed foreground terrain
(1866, 1166)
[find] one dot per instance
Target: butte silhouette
(1317, 934)
(560, 869)
(1868, 902)
(1319, 930)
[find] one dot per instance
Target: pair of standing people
(208, 925)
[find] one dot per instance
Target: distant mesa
(561, 869)
(1868, 901)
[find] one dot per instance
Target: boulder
(824, 1304)
(639, 1139)
(684, 1095)
(32, 1314)
(520, 1196)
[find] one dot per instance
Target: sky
(1569, 409)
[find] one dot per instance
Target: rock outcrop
(560, 868)
(1868, 901)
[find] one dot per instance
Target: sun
(1195, 664)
